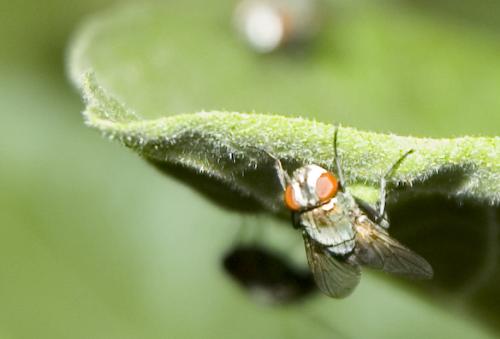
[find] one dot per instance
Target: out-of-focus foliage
(94, 243)
(381, 66)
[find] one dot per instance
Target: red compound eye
(290, 201)
(326, 186)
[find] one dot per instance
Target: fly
(268, 276)
(342, 233)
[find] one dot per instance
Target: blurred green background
(95, 243)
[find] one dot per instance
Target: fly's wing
(334, 278)
(372, 213)
(375, 248)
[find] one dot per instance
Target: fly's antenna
(337, 159)
(383, 181)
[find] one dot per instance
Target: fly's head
(309, 187)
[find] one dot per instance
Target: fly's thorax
(342, 206)
(332, 224)
(346, 202)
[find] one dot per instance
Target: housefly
(273, 279)
(341, 232)
(268, 276)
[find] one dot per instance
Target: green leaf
(171, 86)
(226, 146)
(134, 45)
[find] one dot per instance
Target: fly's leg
(283, 176)
(337, 159)
(382, 217)
(241, 232)
(249, 232)
(296, 221)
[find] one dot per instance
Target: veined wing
(375, 248)
(334, 278)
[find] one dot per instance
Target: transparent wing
(335, 278)
(375, 248)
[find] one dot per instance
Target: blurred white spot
(269, 24)
(263, 27)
